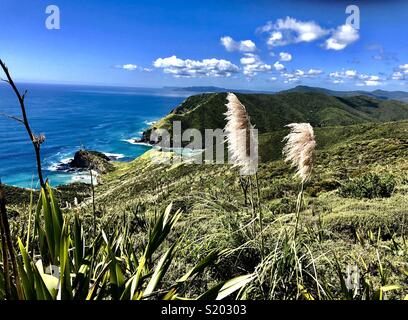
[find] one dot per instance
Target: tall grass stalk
(299, 151)
(241, 145)
(93, 204)
(298, 207)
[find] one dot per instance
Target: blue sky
(269, 45)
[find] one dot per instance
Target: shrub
(322, 186)
(283, 206)
(368, 186)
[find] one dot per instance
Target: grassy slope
(212, 200)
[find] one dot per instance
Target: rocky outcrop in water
(91, 160)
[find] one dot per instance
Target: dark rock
(87, 159)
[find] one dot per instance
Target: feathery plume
(241, 136)
(300, 149)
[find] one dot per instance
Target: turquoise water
(71, 117)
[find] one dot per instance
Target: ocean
(105, 119)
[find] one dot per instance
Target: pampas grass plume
(241, 137)
(299, 150)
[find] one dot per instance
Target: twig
(12, 117)
(36, 140)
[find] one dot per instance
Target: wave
(150, 123)
(135, 142)
(61, 165)
(85, 177)
(114, 156)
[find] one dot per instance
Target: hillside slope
(271, 112)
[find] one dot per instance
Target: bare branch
(11, 117)
(24, 95)
(33, 139)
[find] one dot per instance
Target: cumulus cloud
(285, 56)
(278, 66)
(345, 74)
(243, 46)
(290, 30)
(291, 77)
(132, 67)
(369, 80)
(297, 75)
(252, 65)
(342, 37)
(196, 69)
(400, 73)
(363, 79)
(314, 72)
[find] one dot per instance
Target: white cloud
(132, 67)
(350, 73)
(252, 65)
(195, 69)
(314, 72)
(400, 73)
(342, 37)
(297, 75)
(278, 66)
(372, 83)
(275, 37)
(290, 30)
(285, 56)
(243, 46)
(370, 80)
(347, 74)
(404, 67)
(290, 78)
(363, 79)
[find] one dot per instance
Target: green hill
(271, 112)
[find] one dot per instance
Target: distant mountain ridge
(379, 94)
(271, 112)
(213, 89)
